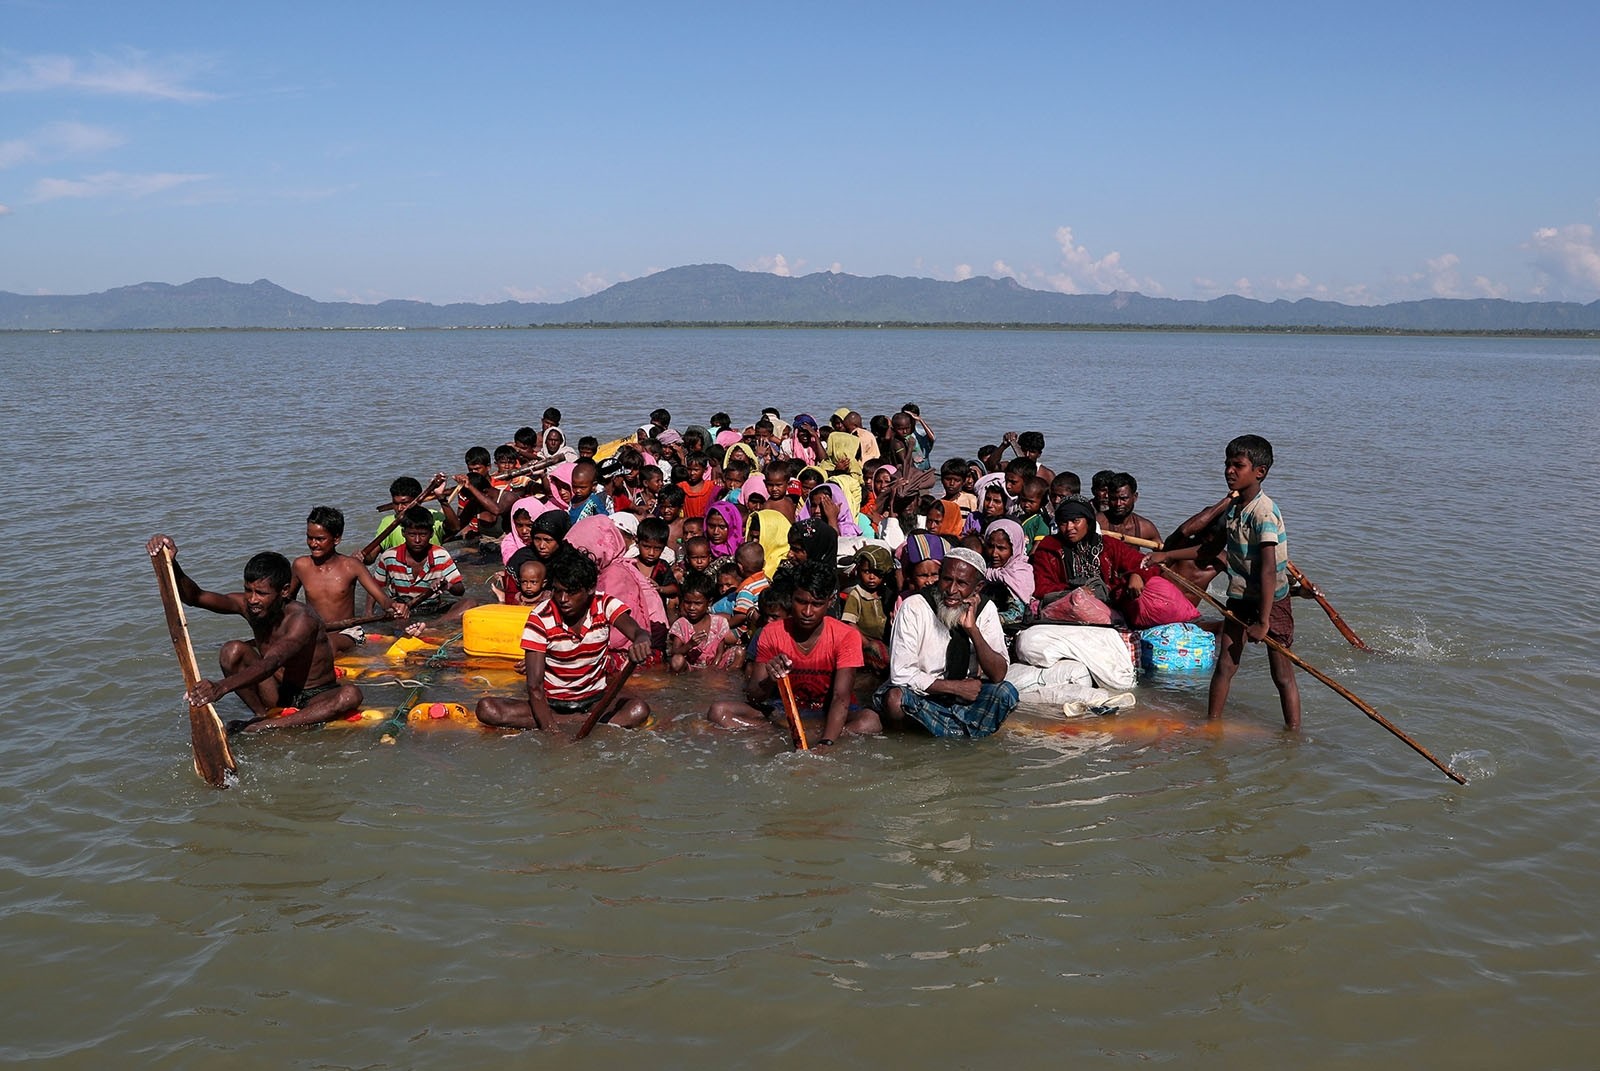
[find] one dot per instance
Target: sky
(541, 151)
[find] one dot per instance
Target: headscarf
(598, 537)
(991, 479)
(727, 437)
(1017, 573)
(847, 516)
(1080, 561)
(553, 522)
(755, 485)
(564, 452)
(742, 447)
(876, 558)
(561, 474)
(534, 507)
(806, 455)
(703, 431)
(842, 448)
(818, 539)
(773, 536)
(921, 547)
(730, 513)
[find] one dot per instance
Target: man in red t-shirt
(818, 653)
(566, 642)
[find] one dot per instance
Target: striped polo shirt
(403, 578)
(574, 655)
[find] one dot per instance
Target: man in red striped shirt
(566, 641)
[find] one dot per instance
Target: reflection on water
(1143, 888)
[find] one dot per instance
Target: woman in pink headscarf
(733, 533)
(599, 538)
(513, 540)
(560, 481)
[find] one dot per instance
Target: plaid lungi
(973, 720)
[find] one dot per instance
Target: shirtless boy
(288, 661)
(330, 579)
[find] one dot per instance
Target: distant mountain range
(716, 293)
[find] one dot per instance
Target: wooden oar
(213, 758)
(1333, 615)
(603, 706)
(791, 710)
(370, 552)
(1132, 541)
(1354, 700)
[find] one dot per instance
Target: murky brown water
(1158, 892)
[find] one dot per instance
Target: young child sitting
(652, 543)
(869, 603)
(700, 639)
(726, 573)
(529, 590)
(1029, 512)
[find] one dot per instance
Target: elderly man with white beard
(947, 657)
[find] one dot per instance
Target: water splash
(1474, 764)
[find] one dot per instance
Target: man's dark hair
(270, 566)
(654, 529)
(329, 518)
(1068, 482)
(721, 420)
(588, 441)
(406, 487)
(661, 416)
(571, 569)
(417, 517)
(1031, 441)
(1101, 479)
(505, 452)
(478, 455)
(911, 407)
(1123, 479)
(553, 415)
(1254, 447)
(818, 579)
(526, 436)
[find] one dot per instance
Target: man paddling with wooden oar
(285, 672)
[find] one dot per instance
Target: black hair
(629, 457)
(417, 517)
(478, 455)
(773, 411)
(1067, 481)
(778, 466)
(526, 436)
(654, 529)
(1031, 441)
(1253, 447)
(1101, 479)
(406, 487)
(673, 496)
(505, 452)
(720, 420)
(553, 415)
(1035, 485)
(698, 583)
(588, 464)
(703, 459)
(661, 416)
(1024, 466)
(327, 517)
(571, 569)
(818, 579)
(764, 422)
(1123, 479)
(270, 566)
(878, 425)
(955, 466)
(738, 465)
(646, 470)
(590, 441)
(717, 453)
(911, 407)
(776, 596)
(749, 554)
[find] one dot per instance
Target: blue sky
(478, 151)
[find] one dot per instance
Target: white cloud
(133, 75)
(836, 267)
(5, 210)
(1002, 269)
(1082, 271)
(776, 264)
(57, 141)
(1566, 261)
(963, 272)
(111, 184)
(591, 283)
(518, 293)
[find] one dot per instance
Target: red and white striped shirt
(402, 578)
(574, 655)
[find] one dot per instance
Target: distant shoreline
(850, 325)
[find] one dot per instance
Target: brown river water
(1146, 889)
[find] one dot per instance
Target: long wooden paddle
(603, 706)
(791, 711)
(1333, 615)
(1354, 700)
(1294, 571)
(213, 758)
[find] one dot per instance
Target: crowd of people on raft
(820, 552)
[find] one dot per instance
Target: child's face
(417, 540)
(820, 501)
(869, 579)
(697, 470)
(582, 484)
(901, 426)
(1031, 503)
(994, 503)
(728, 582)
(777, 486)
(694, 605)
(692, 527)
(732, 480)
(504, 464)
(670, 512)
(524, 526)
(699, 559)
(319, 541)
(1241, 474)
(650, 550)
(881, 481)
(1014, 484)
(936, 514)
(586, 451)
(953, 482)
(970, 484)
(653, 481)
(808, 483)
(716, 528)
(997, 548)
(530, 580)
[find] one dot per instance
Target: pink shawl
(1016, 574)
(510, 543)
(730, 513)
(599, 538)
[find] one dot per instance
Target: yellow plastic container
(438, 713)
(494, 630)
(362, 719)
